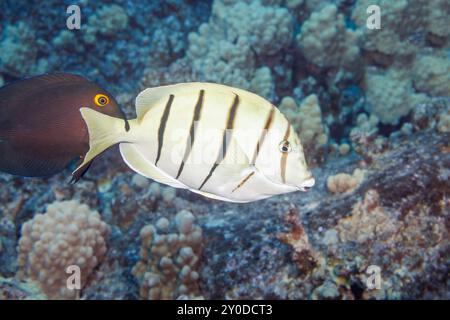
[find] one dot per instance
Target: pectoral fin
(136, 161)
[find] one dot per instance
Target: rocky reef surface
(301, 245)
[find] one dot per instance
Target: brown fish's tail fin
(104, 132)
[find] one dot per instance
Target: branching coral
(69, 233)
(169, 263)
(325, 40)
(226, 49)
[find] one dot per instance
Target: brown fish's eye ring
(101, 100)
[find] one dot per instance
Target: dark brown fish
(41, 128)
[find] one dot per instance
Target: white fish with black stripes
(221, 142)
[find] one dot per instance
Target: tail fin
(104, 132)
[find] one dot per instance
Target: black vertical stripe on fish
(240, 184)
(263, 135)
(284, 156)
(162, 127)
(225, 141)
(195, 118)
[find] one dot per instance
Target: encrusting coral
(303, 254)
(68, 234)
(168, 268)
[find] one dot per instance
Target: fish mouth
(307, 184)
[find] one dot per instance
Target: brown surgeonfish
(41, 128)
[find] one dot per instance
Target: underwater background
(371, 106)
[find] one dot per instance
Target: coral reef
(18, 56)
(168, 268)
(303, 255)
(12, 289)
(326, 42)
(432, 75)
(371, 107)
(343, 182)
(307, 121)
(238, 34)
(106, 21)
(68, 234)
(391, 96)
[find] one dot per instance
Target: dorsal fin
(33, 84)
(148, 98)
(60, 77)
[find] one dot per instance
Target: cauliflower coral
(326, 42)
(68, 234)
(225, 50)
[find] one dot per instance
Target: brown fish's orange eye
(101, 100)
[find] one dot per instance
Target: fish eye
(285, 146)
(101, 100)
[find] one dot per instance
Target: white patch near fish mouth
(306, 185)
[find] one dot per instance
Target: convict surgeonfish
(41, 129)
(221, 142)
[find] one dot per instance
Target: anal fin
(214, 196)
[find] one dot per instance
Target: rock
(245, 260)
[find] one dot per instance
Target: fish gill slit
(225, 142)
(190, 141)
(284, 156)
(162, 127)
(243, 181)
(263, 135)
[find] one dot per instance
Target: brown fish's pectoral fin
(24, 162)
(80, 172)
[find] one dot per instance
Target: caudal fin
(104, 132)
